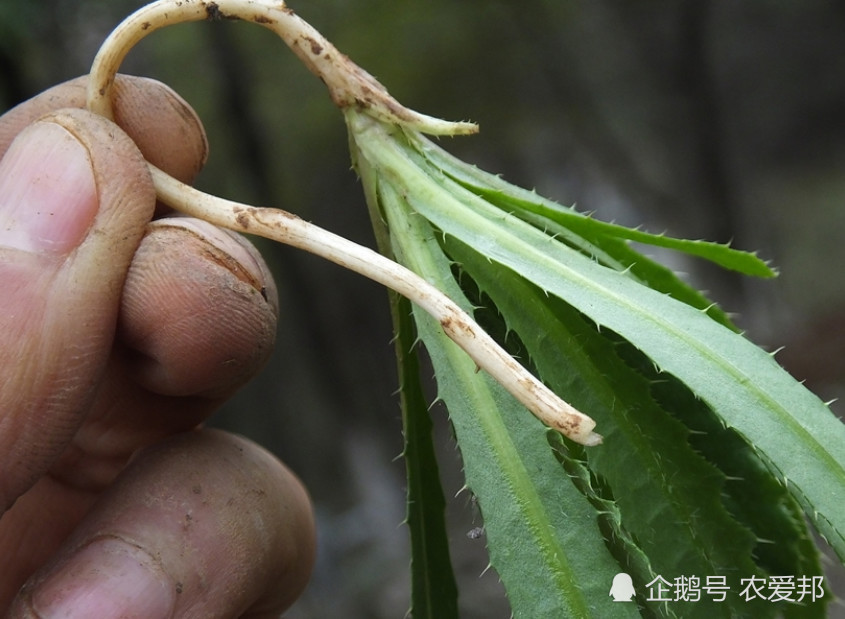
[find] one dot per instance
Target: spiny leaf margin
(796, 434)
(664, 489)
(434, 592)
(543, 535)
(520, 201)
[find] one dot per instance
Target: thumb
(75, 195)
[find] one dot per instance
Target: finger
(186, 277)
(75, 194)
(165, 128)
(156, 543)
(197, 321)
(193, 308)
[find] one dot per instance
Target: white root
(349, 86)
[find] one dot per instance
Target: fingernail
(222, 247)
(48, 195)
(107, 578)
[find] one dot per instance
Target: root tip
(592, 439)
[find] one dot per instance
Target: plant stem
(350, 87)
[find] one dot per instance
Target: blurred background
(714, 119)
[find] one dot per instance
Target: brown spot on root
(573, 426)
(261, 19)
(568, 427)
(316, 48)
(454, 325)
(275, 218)
(243, 219)
(213, 12)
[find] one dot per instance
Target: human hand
(117, 338)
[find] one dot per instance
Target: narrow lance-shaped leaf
(588, 235)
(669, 496)
(515, 199)
(794, 431)
(434, 594)
(752, 494)
(543, 535)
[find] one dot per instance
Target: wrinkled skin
(118, 337)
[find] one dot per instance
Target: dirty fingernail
(221, 247)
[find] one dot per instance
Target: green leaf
(519, 201)
(794, 432)
(669, 497)
(611, 251)
(434, 593)
(752, 494)
(543, 534)
(621, 543)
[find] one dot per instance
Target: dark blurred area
(714, 119)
